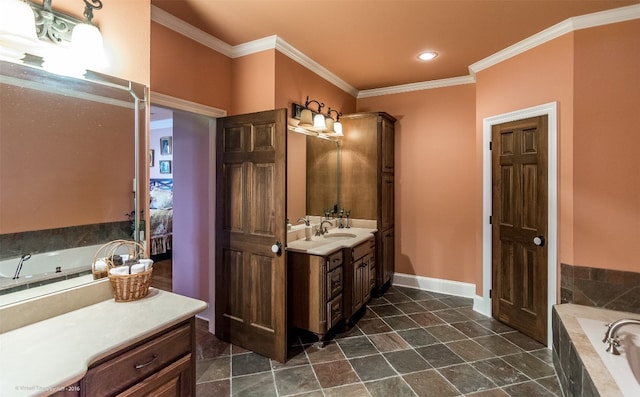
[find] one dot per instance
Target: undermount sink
(339, 236)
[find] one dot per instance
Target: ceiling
(375, 43)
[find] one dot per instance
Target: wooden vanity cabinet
(315, 289)
(162, 365)
(360, 276)
(367, 181)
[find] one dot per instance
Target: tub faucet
(23, 259)
(611, 336)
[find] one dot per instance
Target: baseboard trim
(457, 288)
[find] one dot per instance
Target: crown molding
(178, 25)
(160, 99)
(298, 56)
(425, 85)
(567, 26)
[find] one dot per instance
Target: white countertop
(322, 246)
(42, 357)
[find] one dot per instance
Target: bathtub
(625, 368)
(582, 364)
(46, 268)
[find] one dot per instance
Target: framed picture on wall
(165, 145)
(151, 157)
(165, 166)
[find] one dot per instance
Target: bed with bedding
(161, 216)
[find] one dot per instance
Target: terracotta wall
(435, 180)
(541, 75)
(185, 69)
(605, 145)
(293, 84)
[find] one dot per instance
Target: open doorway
(182, 183)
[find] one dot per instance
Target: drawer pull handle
(139, 366)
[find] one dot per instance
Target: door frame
(167, 101)
(551, 111)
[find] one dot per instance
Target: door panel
(250, 218)
(519, 162)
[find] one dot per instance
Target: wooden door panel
(261, 298)
(251, 217)
(234, 175)
(520, 213)
(530, 197)
(529, 282)
(263, 200)
(507, 203)
(262, 137)
(506, 275)
(233, 274)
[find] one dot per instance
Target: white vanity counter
(335, 239)
(43, 357)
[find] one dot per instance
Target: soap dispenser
(308, 230)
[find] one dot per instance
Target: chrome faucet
(611, 336)
(23, 259)
(320, 230)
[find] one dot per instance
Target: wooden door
(250, 219)
(519, 225)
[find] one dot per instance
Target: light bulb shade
(17, 29)
(329, 124)
(87, 46)
(306, 118)
(318, 122)
(337, 127)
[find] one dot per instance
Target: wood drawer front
(134, 365)
(334, 282)
(171, 381)
(334, 311)
(361, 250)
(334, 260)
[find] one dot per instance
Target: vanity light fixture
(66, 44)
(17, 29)
(315, 123)
(427, 55)
(337, 125)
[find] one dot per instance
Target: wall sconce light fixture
(315, 123)
(66, 44)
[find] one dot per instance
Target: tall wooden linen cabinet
(367, 181)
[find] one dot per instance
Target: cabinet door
(365, 280)
(357, 287)
(386, 263)
(386, 208)
(387, 137)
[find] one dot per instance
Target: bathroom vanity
(329, 278)
(144, 347)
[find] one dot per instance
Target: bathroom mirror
(323, 173)
(68, 161)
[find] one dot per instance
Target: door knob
(539, 241)
(277, 248)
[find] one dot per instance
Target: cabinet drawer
(334, 260)
(361, 250)
(334, 282)
(334, 311)
(134, 365)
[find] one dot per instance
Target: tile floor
(408, 343)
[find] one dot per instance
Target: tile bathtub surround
(16, 244)
(609, 289)
(407, 343)
(580, 370)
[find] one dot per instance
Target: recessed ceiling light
(427, 55)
